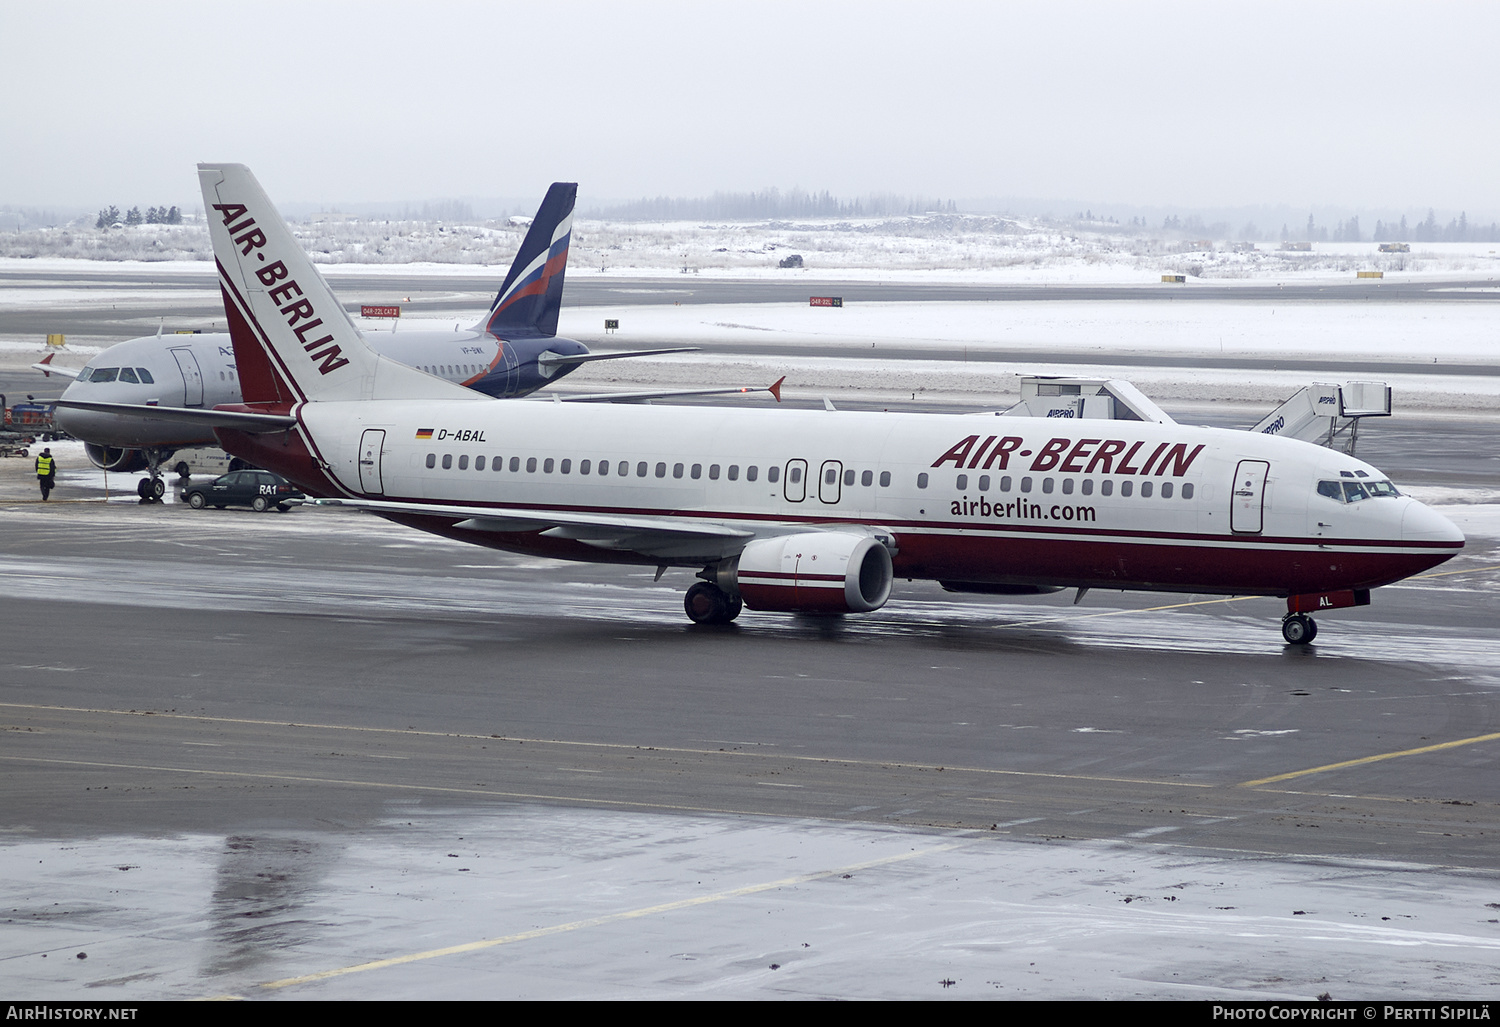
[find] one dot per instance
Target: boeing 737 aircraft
(513, 351)
(791, 510)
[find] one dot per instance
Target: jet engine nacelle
(111, 459)
(815, 572)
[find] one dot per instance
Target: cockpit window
(1354, 491)
(127, 374)
(105, 374)
(146, 378)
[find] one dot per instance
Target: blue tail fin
(531, 297)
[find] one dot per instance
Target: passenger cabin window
(773, 474)
(922, 480)
(885, 479)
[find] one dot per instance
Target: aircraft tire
(259, 504)
(707, 604)
(196, 501)
(143, 488)
(1298, 629)
(158, 488)
(183, 470)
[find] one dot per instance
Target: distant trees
(772, 203)
(110, 215)
(1459, 229)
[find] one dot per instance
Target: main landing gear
(1298, 629)
(707, 603)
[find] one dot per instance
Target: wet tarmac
(241, 749)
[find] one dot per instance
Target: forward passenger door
(1247, 514)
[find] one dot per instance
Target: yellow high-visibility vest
(43, 466)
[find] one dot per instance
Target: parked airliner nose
(1423, 524)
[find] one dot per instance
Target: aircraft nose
(1423, 524)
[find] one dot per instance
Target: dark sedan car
(259, 490)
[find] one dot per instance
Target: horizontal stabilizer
(48, 368)
(645, 397)
(550, 359)
(240, 420)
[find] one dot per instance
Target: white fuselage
(967, 498)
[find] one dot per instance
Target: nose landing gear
(153, 488)
(1298, 629)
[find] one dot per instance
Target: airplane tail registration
(531, 296)
(293, 341)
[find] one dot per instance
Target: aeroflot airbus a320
(783, 510)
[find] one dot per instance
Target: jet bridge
(1328, 415)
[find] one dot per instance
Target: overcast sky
(1358, 105)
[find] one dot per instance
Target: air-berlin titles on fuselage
(1102, 460)
(299, 313)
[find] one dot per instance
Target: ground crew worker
(46, 472)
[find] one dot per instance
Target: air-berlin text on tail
(1103, 456)
(299, 313)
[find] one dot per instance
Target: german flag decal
(424, 433)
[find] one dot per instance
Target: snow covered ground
(963, 247)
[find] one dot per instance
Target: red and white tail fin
(293, 342)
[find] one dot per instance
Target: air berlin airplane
(791, 511)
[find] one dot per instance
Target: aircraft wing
(645, 397)
(48, 368)
(655, 537)
(243, 421)
(550, 359)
